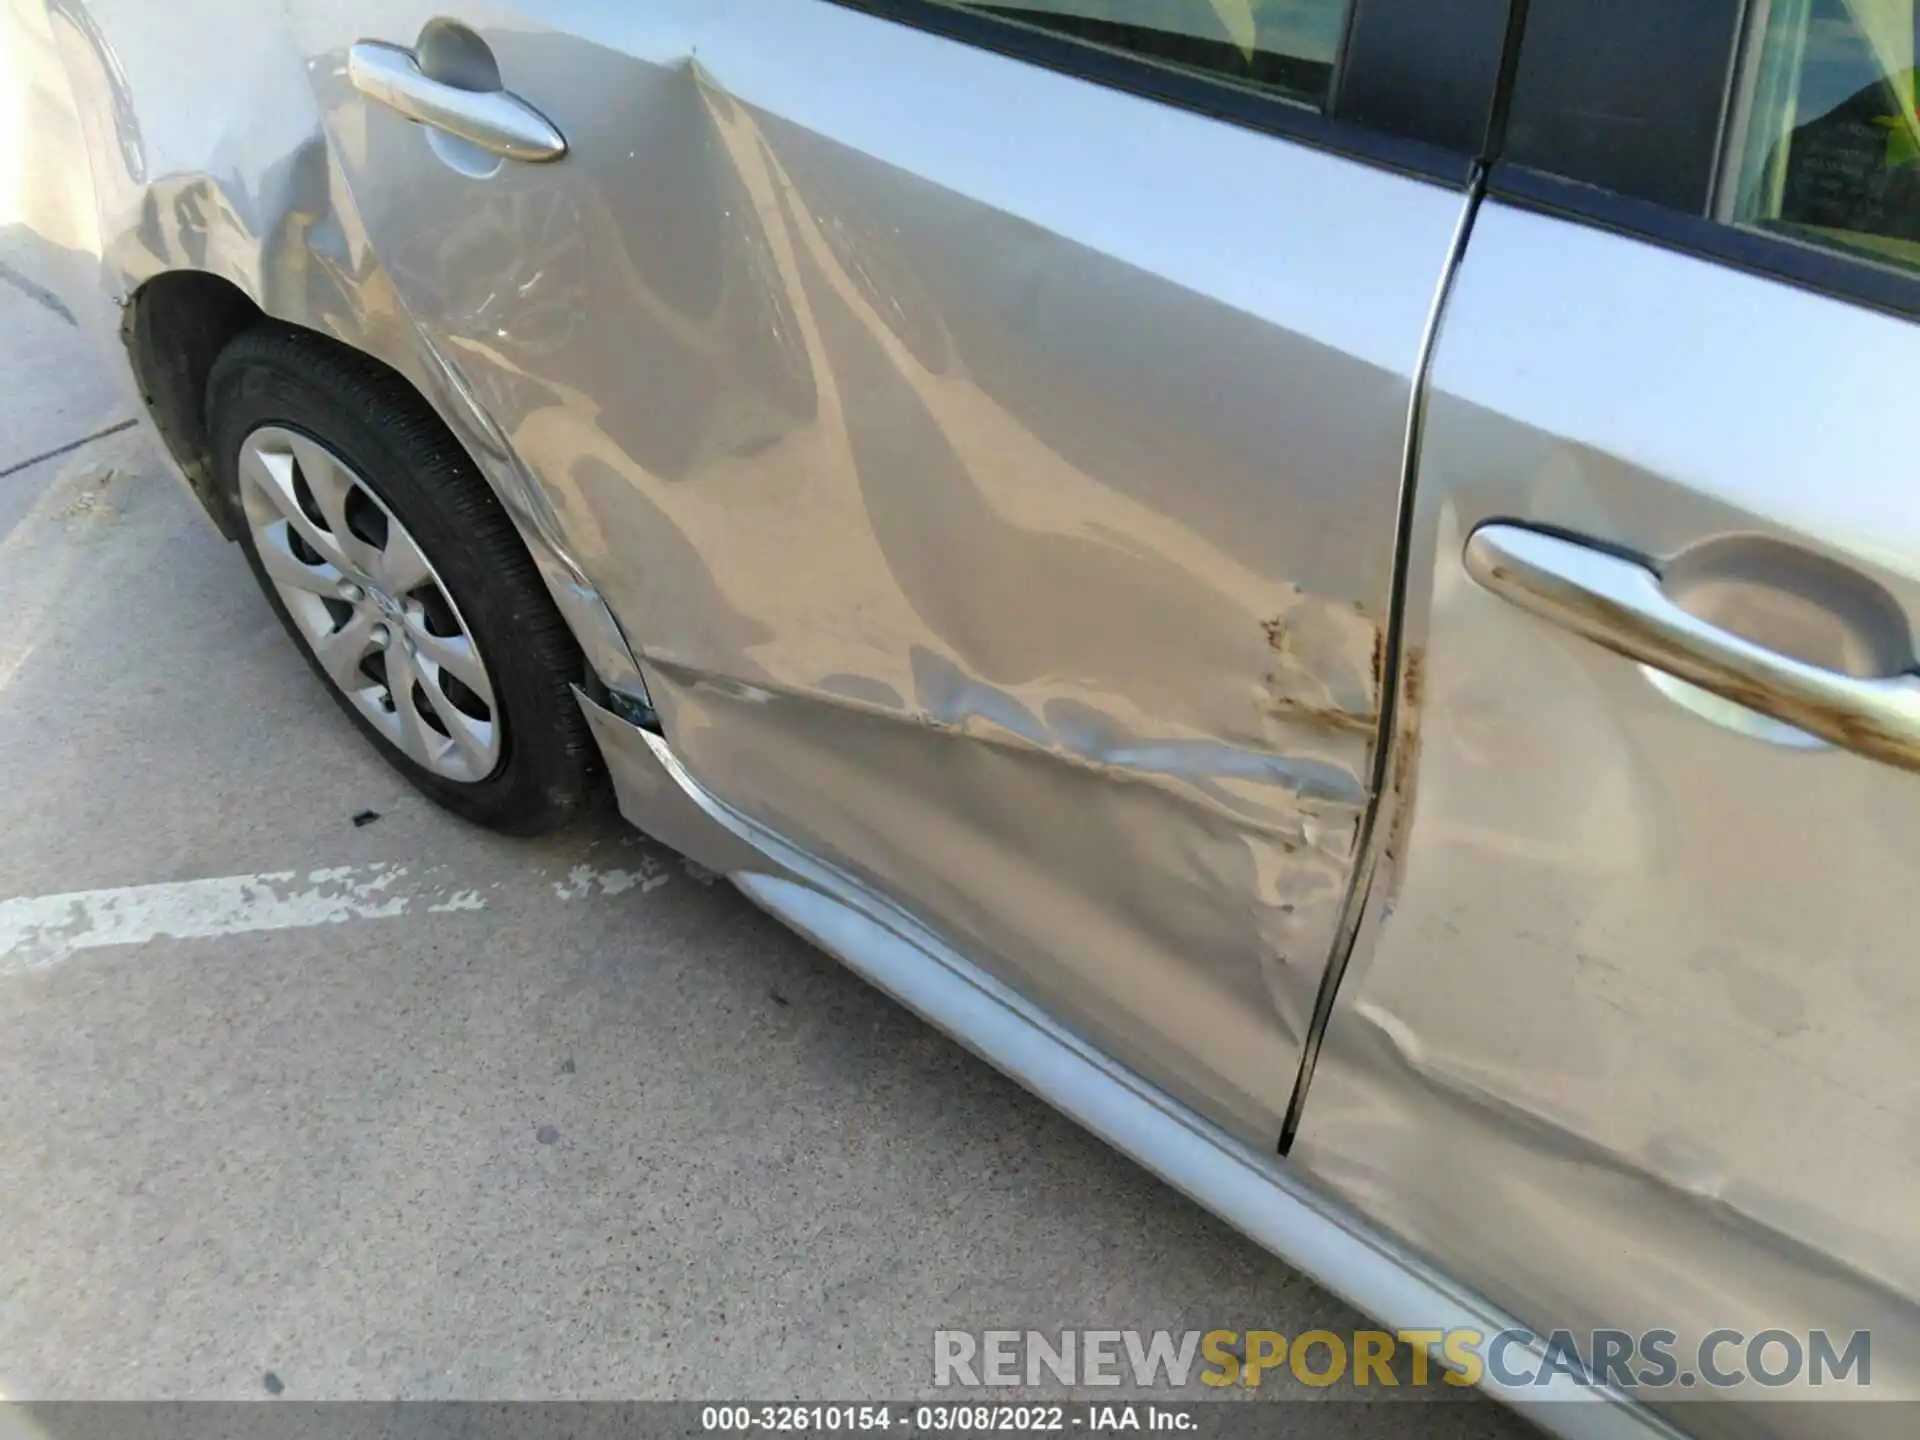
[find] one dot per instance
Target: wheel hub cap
(369, 604)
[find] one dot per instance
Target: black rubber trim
(1219, 99)
(1629, 95)
(1426, 70)
(1811, 267)
(1501, 111)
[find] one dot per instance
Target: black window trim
(1218, 99)
(1829, 272)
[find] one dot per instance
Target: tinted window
(1831, 146)
(1287, 47)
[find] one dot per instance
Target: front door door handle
(496, 121)
(1618, 603)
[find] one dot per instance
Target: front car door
(994, 461)
(1629, 1038)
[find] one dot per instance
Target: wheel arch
(176, 322)
(174, 328)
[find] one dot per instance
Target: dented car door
(1626, 1044)
(995, 472)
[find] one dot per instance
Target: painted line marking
(39, 931)
(584, 880)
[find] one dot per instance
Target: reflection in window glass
(1284, 46)
(1831, 152)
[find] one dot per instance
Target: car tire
(382, 549)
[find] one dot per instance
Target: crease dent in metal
(1237, 709)
(933, 564)
(1246, 1184)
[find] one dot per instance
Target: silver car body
(1004, 524)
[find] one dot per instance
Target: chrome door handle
(1618, 603)
(496, 121)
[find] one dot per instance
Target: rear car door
(1628, 1040)
(986, 421)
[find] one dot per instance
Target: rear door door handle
(1618, 603)
(496, 121)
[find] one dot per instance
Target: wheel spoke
(331, 484)
(272, 475)
(400, 566)
(279, 561)
(341, 652)
(453, 654)
(473, 737)
(417, 738)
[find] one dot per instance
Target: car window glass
(1830, 152)
(1287, 47)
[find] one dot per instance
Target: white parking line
(37, 931)
(583, 880)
